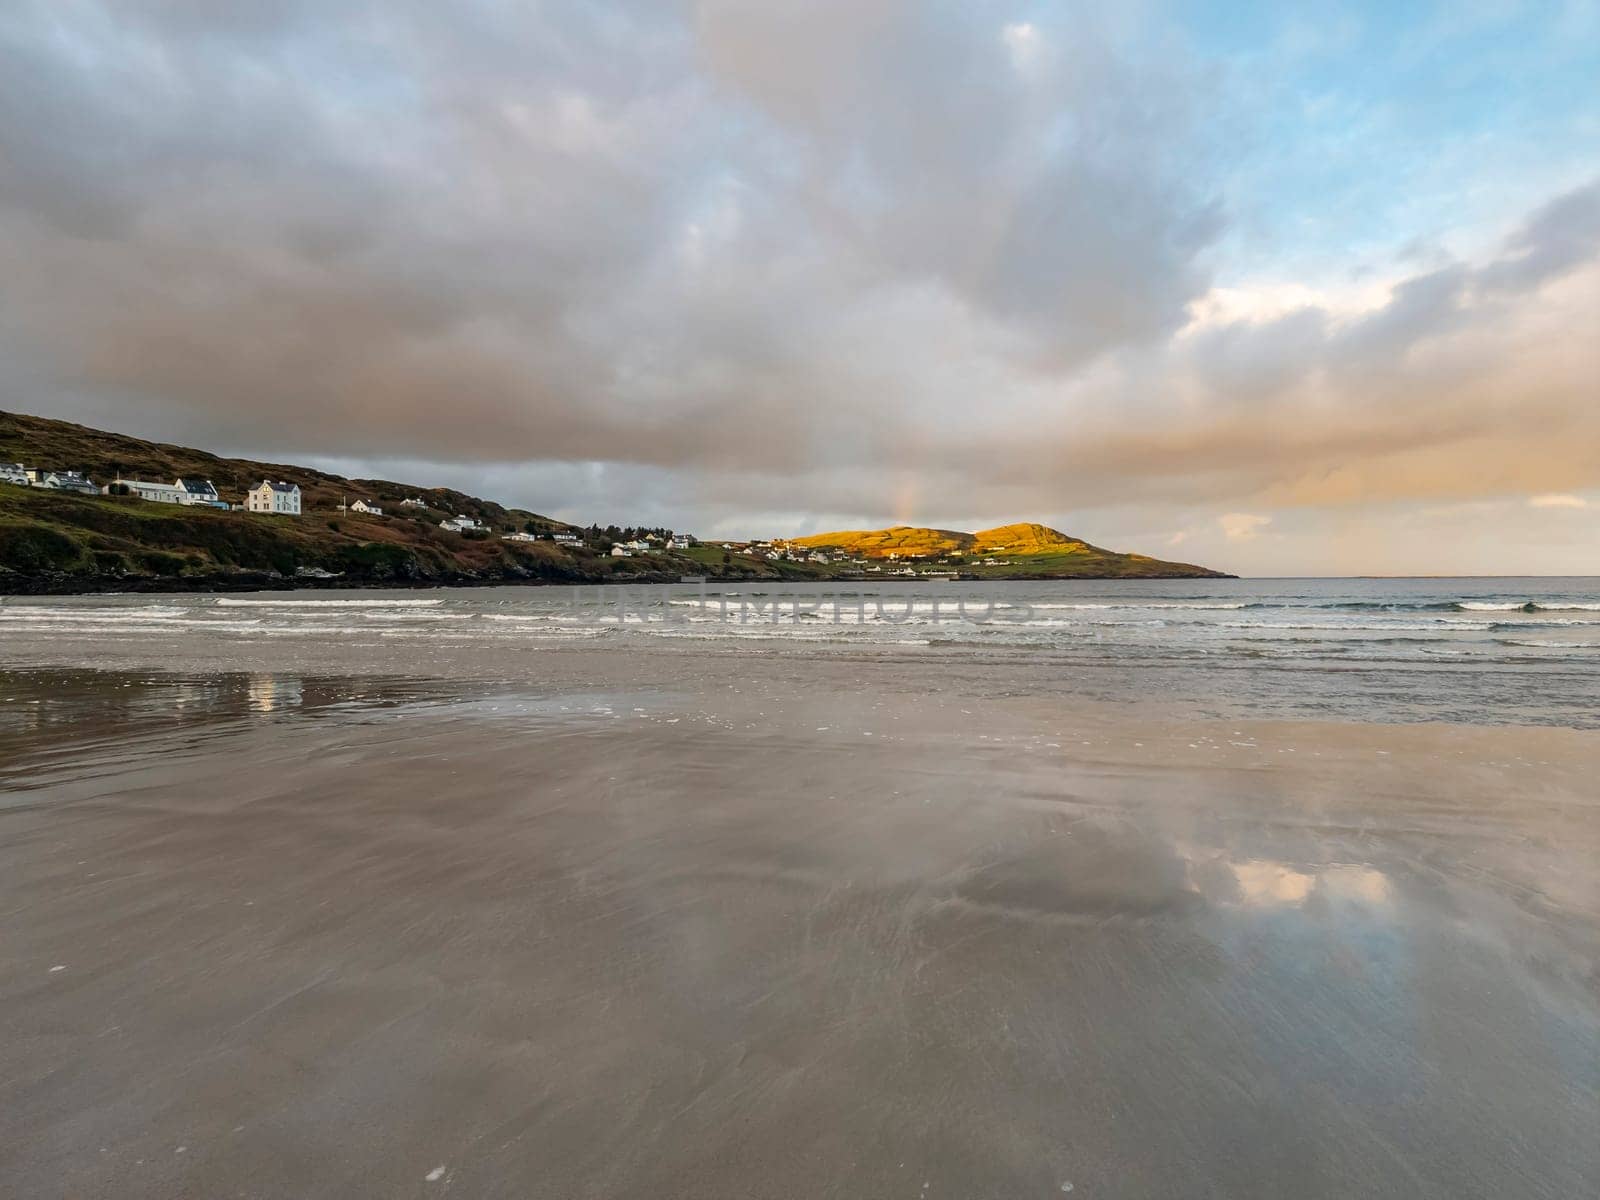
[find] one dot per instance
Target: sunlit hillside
(1024, 549)
(911, 541)
(906, 541)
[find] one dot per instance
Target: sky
(1280, 289)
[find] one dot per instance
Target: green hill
(906, 541)
(1008, 551)
(54, 541)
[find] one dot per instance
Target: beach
(318, 915)
(763, 601)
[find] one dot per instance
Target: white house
(639, 546)
(62, 481)
(14, 473)
(680, 541)
(160, 493)
(459, 524)
(361, 506)
(566, 539)
(200, 491)
(519, 536)
(413, 502)
(620, 550)
(274, 496)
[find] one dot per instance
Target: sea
(1472, 650)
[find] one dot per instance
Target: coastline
(71, 585)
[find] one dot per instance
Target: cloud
(595, 232)
(1242, 527)
(1561, 235)
(1557, 500)
(1021, 39)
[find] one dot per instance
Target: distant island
(86, 510)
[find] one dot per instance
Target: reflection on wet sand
(269, 693)
(740, 942)
(1264, 883)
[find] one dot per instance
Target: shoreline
(179, 585)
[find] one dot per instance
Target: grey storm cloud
(842, 257)
(580, 230)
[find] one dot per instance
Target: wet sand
(680, 926)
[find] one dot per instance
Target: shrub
(158, 562)
(377, 560)
(37, 548)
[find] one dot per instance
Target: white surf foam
(231, 602)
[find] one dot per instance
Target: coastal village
(280, 498)
(269, 496)
(81, 507)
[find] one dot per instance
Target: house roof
(276, 486)
(203, 487)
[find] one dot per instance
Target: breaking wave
(230, 602)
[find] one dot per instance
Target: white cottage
(274, 496)
(62, 481)
(159, 493)
(200, 491)
(14, 473)
(361, 506)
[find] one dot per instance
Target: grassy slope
(41, 442)
(51, 532)
(62, 542)
(897, 539)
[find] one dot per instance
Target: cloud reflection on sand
(1263, 882)
(1274, 883)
